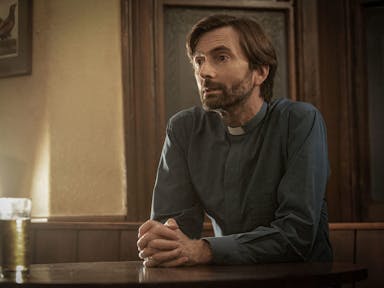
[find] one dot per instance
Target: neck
(242, 113)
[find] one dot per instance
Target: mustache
(211, 85)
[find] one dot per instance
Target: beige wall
(61, 128)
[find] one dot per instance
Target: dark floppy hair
(255, 44)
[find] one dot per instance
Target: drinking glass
(15, 219)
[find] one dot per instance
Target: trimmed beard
(231, 97)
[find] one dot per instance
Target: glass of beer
(15, 220)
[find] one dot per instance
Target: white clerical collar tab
(236, 130)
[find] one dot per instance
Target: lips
(211, 92)
(210, 88)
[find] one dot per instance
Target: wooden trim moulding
(356, 225)
(82, 223)
(126, 226)
(119, 223)
(230, 3)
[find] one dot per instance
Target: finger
(163, 244)
(165, 256)
(157, 228)
(177, 262)
(147, 252)
(164, 232)
(144, 228)
(158, 259)
(144, 240)
(171, 223)
(153, 240)
(156, 246)
(148, 262)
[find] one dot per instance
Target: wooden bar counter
(133, 274)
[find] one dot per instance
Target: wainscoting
(65, 241)
(83, 241)
(361, 243)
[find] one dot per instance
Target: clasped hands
(165, 245)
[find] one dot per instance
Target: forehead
(224, 36)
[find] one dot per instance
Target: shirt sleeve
(174, 196)
(292, 234)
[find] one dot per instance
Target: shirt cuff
(224, 250)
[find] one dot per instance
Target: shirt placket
(232, 176)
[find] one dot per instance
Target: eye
(198, 61)
(222, 58)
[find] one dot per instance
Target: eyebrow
(221, 48)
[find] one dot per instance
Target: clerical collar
(236, 130)
(241, 130)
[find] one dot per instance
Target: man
(257, 167)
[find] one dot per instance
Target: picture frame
(15, 37)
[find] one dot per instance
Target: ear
(260, 74)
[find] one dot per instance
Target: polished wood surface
(133, 274)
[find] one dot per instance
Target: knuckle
(142, 227)
(157, 229)
(156, 258)
(143, 241)
(151, 244)
(146, 226)
(156, 243)
(139, 244)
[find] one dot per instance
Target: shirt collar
(251, 124)
(236, 130)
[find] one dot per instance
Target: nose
(206, 70)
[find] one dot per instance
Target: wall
(61, 128)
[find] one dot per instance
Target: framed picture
(15, 37)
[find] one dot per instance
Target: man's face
(221, 70)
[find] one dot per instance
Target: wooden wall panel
(128, 248)
(370, 253)
(343, 245)
(337, 109)
(51, 246)
(102, 245)
(142, 109)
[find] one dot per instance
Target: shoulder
(287, 109)
(194, 123)
(190, 122)
(289, 106)
(186, 115)
(186, 119)
(295, 119)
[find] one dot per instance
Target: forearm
(253, 247)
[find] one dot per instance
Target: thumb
(171, 223)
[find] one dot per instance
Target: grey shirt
(263, 190)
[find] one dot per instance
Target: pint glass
(14, 234)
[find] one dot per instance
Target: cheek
(198, 81)
(235, 74)
(231, 79)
